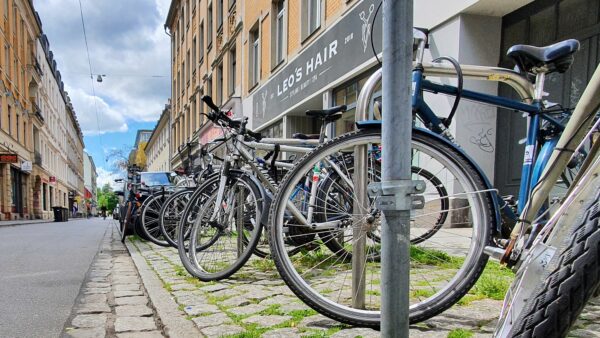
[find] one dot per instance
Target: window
(7, 60)
(254, 56)
(232, 71)
(201, 108)
(219, 15)
(311, 17)
(193, 122)
(231, 3)
(209, 86)
(6, 8)
(194, 53)
(201, 34)
(278, 37)
(187, 70)
(219, 100)
(9, 120)
(182, 23)
(18, 125)
(209, 35)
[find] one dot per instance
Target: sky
(128, 44)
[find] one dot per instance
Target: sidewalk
(113, 302)
(256, 303)
(24, 222)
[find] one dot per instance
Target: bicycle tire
(170, 213)
(150, 218)
(189, 257)
(569, 279)
(449, 295)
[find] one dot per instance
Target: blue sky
(128, 44)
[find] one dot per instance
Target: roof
(171, 14)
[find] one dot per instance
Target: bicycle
(224, 216)
(449, 261)
(173, 207)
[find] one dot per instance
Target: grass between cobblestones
(493, 284)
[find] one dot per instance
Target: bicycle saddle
(301, 136)
(328, 115)
(556, 57)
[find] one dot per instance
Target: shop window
(311, 17)
(348, 94)
(273, 131)
(44, 197)
(279, 35)
(254, 56)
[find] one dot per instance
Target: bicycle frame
(537, 153)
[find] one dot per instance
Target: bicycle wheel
(170, 214)
(224, 232)
(443, 268)
(559, 275)
(150, 218)
(336, 197)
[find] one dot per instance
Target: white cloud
(127, 42)
(105, 176)
(108, 120)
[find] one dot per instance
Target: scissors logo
(366, 26)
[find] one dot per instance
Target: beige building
(53, 132)
(157, 149)
(295, 55)
(21, 78)
(206, 44)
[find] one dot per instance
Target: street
(42, 268)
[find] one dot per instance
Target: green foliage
(107, 198)
(460, 333)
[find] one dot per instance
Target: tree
(140, 156)
(107, 198)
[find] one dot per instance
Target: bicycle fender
(266, 198)
(367, 124)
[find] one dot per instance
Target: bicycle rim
(443, 267)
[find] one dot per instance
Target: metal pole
(396, 173)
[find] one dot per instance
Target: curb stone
(174, 323)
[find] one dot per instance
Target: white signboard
(26, 166)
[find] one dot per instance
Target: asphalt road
(42, 267)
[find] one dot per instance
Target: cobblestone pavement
(256, 303)
(113, 301)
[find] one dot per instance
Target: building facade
(206, 59)
(137, 155)
(157, 149)
(91, 188)
(296, 55)
(20, 80)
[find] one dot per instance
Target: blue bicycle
(452, 256)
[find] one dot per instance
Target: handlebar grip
(209, 102)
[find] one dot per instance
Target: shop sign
(210, 134)
(9, 158)
(26, 166)
(337, 52)
(52, 179)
